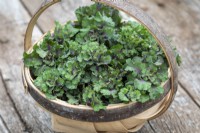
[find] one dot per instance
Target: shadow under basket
(115, 118)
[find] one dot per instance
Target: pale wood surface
(12, 120)
(180, 19)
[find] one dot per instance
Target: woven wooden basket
(116, 118)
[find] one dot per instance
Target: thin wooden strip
(61, 124)
(154, 109)
(141, 118)
(132, 123)
(137, 128)
(116, 126)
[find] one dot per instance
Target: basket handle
(29, 30)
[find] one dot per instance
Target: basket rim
(64, 103)
(86, 113)
(58, 101)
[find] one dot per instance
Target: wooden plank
(12, 28)
(7, 111)
(146, 129)
(3, 128)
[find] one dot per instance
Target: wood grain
(62, 12)
(179, 18)
(3, 128)
(8, 113)
(12, 28)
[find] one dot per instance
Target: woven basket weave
(116, 118)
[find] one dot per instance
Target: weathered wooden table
(179, 18)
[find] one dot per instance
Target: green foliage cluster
(98, 60)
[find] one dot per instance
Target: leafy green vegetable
(142, 85)
(99, 60)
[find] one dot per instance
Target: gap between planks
(4, 124)
(30, 14)
(189, 94)
(151, 127)
(26, 127)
